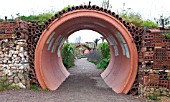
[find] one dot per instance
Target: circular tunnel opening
(94, 48)
(85, 57)
(121, 71)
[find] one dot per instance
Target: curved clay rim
(121, 71)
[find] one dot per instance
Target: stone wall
(14, 64)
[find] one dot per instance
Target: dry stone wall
(14, 65)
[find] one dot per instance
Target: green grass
(38, 88)
(13, 87)
(35, 88)
(46, 89)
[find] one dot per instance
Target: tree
(18, 14)
(96, 41)
(102, 38)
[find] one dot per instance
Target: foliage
(102, 38)
(94, 56)
(137, 20)
(96, 42)
(35, 88)
(46, 89)
(168, 77)
(104, 49)
(132, 17)
(100, 56)
(68, 55)
(38, 88)
(167, 35)
(1, 20)
(153, 97)
(105, 53)
(148, 23)
(37, 18)
(65, 8)
(41, 18)
(103, 63)
(81, 56)
(5, 86)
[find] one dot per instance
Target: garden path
(83, 85)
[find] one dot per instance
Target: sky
(149, 9)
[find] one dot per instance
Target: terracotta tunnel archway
(122, 69)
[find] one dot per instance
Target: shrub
(94, 57)
(104, 49)
(41, 18)
(132, 17)
(68, 55)
(35, 88)
(103, 63)
(100, 56)
(137, 20)
(149, 23)
(105, 53)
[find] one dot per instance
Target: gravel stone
(83, 85)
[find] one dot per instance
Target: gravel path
(83, 85)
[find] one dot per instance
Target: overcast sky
(149, 9)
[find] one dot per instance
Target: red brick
(154, 78)
(145, 80)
